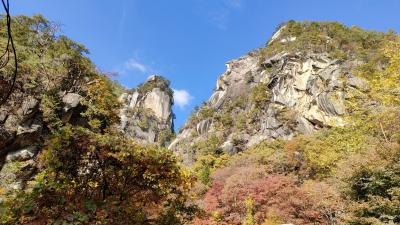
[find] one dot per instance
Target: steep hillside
(303, 131)
(145, 118)
(69, 149)
(302, 81)
(53, 90)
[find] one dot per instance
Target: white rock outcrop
(306, 93)
(147, 111)
(159, 102)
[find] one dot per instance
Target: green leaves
(101, 104)
(339, 41)
(260, 95)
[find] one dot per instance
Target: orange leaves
(275, 195)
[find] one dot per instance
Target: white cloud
(134, 64)
(182, 98)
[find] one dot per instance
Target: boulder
(71, 100)
(11, 123)
(186, 133)
(217, 99)
(148, 136)
(29, 106)
(22, 154)
(307, 88)
(5, 137)
(28, 134)
(304, 126)
(146, 112)
(358, 83)
(271, 123)
(124, 97)
(228, 147)
(330, 106)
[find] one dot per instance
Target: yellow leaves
(391, 51)
(322, 151)
(390, 77)
(49, 106)
(249, 219)
(93, 184)
(95, 124)
(2, 191)
(260, 95)
(272, 219)
(216, 215)
(102, 104)
(211, 161)
(384, 82)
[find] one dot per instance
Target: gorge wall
(145, 116)
(267, 97)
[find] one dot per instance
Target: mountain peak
(298, 84)
(146, 113)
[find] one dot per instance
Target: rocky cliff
(145, 116)
(272, 93)
(146, 113)
(23, 132)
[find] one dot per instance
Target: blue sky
(189, 41)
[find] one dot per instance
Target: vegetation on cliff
(88, 172)
(340, 175)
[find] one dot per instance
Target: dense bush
(87, 172)
(260, 95)
(46, 60)
(341, 175)
(384, 81)
(103, 178)
(339, 41)
(247, 195)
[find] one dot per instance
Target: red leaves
(274, 196)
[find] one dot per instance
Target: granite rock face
(22, 130)
(304, 93)
(146, 114)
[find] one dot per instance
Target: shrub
(205, 112)
(224, 120)
(339, 41)
(260, 95)
(157, 82)
(208, 146)
(241, 121)
(124, 183)
(373, 187)
(270, 195)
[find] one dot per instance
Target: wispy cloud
(134, 64)
(182, 98)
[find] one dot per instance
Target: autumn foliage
(275, 198)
